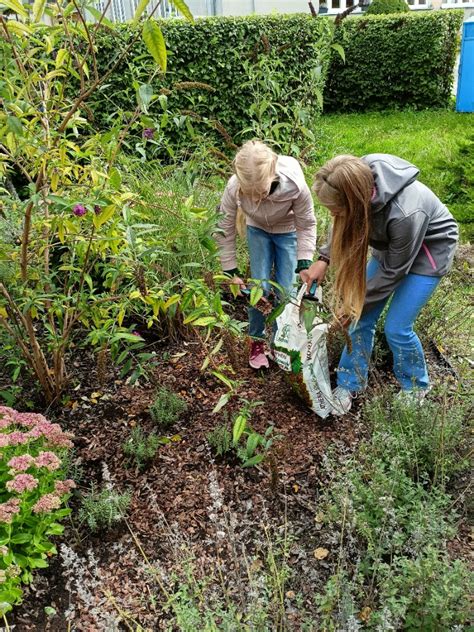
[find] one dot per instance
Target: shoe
(412, 397)
(342, 401)
(258, 359)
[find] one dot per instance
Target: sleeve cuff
(234, 272)
(303, 264)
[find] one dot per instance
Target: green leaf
(155, 43)
(50, 611)
(115, 178)
(205, 321)
(223, 400)
(38, 10)
(145, 95)
(240, 424)
(21, 538)
(256, 294)
(14, 125)
(142, 5)
(184, 9)
(38, 563)
(98, 16)
(338, 48)
(255, 460)
(15, 6)
(253, 441)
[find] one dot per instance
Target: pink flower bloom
(64, 487)
(21, 483)
(9, 509)
(21, 463)
(47, 503)
(18, 438)
(7, 416)
(48, 460)
(29, 419)
(79, 210)
(4, 441)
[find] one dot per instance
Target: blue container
(465, 96)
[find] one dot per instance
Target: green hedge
(382, 7)
(217, 52)
(394, 61)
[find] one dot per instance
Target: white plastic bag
(303, 354)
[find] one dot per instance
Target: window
(335, 4)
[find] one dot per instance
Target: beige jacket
(289, 208)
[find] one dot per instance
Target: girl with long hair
(377, 201)
(267, 201)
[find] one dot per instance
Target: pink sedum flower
(9, 509)
(21, 463)
(48, 460)
(4, 441)
(47, 503)
(64, 487)
(22, 483)
(29, 420)
(18, 438)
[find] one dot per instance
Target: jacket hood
(391, 175)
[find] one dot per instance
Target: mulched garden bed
(182, 499)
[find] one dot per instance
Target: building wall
(122, 10)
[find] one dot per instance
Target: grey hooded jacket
(411, 231)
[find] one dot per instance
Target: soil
(112, 580)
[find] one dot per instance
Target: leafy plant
(220, 440)
(167, 407)
(398, 516)
(250, 446)
(32, 491)
(199, 99)
(142, 447)
(67, 192)
(104, 508)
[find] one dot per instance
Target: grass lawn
(428, 139)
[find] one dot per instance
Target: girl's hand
(316, 272)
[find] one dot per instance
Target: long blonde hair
(345, 185)
(255, 167)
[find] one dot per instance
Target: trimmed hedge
(381, 7)
(394, 61)
(215, 51)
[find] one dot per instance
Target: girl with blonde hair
(377, 201)
(267, 200)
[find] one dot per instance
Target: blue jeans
(409, 363)
(272, 257)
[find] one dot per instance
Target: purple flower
(148, 133)
(79, 210)
(97, 209)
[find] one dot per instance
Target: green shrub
(377, 7)
(167, 407)
(208, 84)
(394, 61)
(141, 447)
(103, 509)
(424, 441)
(220, 440)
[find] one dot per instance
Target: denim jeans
(272, 257)
(409, 363)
